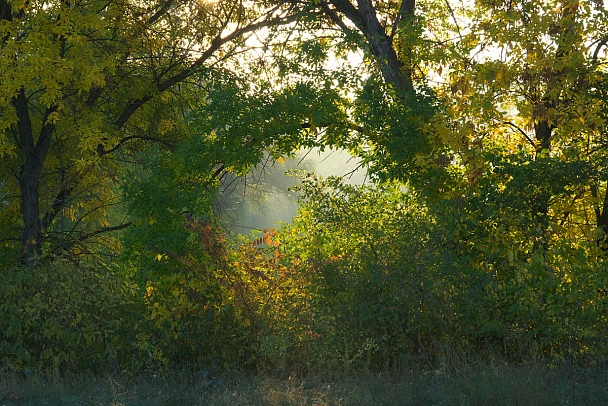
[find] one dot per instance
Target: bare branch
(103, 230)
(161, 12)
(600, 44)
(522, 132)
(447, 3)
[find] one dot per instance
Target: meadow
(456, 382)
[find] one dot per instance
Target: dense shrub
(272, 296)
(375, 289)
(389, 279)
(365, 277)
(188, 291)
(61, 315)
(524, 289)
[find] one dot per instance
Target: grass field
(482, 384)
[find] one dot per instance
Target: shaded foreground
(485, 384)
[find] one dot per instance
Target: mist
(263, 199)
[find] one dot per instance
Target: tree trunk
(365, 19)
(31, 237)
(34, 155)
(393, 71)
(601, 217)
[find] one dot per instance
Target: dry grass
(484, 384)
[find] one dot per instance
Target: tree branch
(216, 44)
(59, 203)
(346, 8)
(334, 17)
(161, 11)
(522, 132)
(101, 151)
(600, 43)
(102, 231)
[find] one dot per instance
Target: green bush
(190, 312)
(520, 293)
(376, 292)
(63, 316)
(389, 279)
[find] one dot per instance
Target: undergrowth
(453, 381)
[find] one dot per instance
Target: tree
(475, 91)
(504, 140)
(86, 86)
(542, 99)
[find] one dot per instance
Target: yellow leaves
(51, 58)
(53, 117)
(7, 149)
(76, 40)
(17, 5)
(103, 221)
(7, 118)
(420, 161)
(165, 126)
(90, 140)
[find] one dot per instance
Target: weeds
(485, 384)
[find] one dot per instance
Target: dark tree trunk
(543, 132)
(34, 155)
(31, 238)
(29, 176)
(601, 217)
(380, 42)
(393, 71)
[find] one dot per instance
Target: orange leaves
(210, 237)
(267, 239)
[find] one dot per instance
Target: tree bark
(380, 42)
(29, 179)
(31, 238)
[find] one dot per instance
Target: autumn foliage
(483, 226)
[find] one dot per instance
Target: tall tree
(476, 93)
(86, 84)
(531, 100)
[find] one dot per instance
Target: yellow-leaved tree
(495, 112)
(85, 86)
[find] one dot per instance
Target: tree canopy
(86, 86)
(481, 123)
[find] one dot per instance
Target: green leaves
(373, 280)
(66, 317)
(237, 118)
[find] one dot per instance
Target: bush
(375, 289)
(63, 316)
(390, 279)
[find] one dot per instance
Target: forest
(482, 126)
